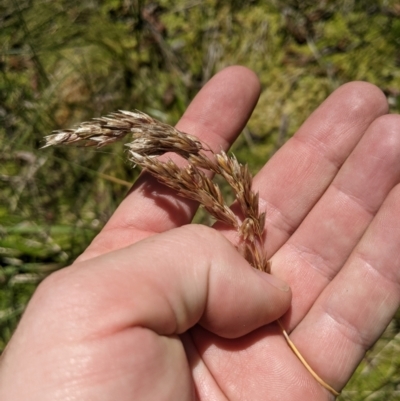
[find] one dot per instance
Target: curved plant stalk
(153, 138)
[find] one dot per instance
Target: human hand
(156, 312)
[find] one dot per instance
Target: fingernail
(276, 282)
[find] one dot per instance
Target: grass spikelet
(151, 138)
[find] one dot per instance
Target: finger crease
(315, 260)
(314, 144)
(356, 200)
(277, 218)
(389, 278)
(348, 330)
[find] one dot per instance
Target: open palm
(157, 310)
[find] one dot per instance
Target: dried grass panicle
(151, 138)
(191, 183)
(145, 130)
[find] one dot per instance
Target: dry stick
(304, 362)
(152, 138)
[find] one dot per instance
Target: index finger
(216, 116)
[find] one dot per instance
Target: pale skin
(156, 309)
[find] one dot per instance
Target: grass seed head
(151, 138)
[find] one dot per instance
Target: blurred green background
(66, 61)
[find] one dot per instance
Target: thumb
(167, 283)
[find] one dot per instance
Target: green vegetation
(66, 61)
